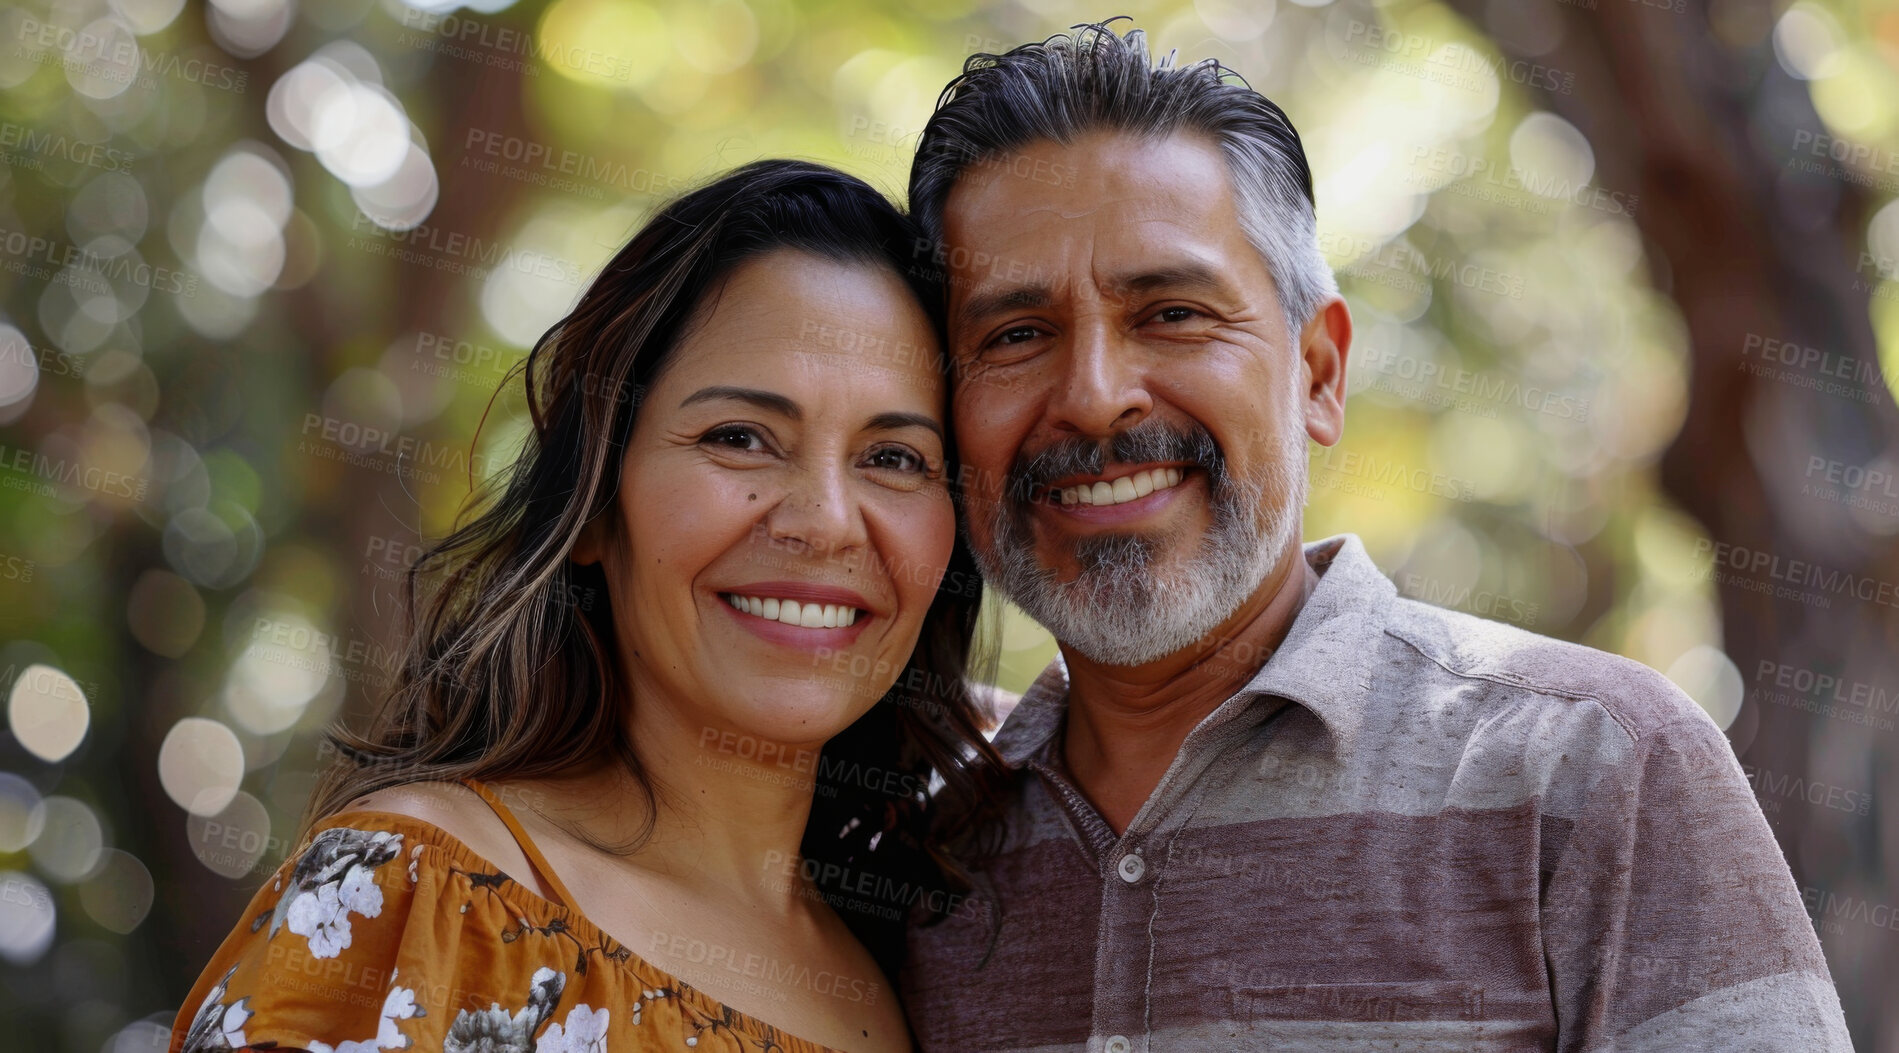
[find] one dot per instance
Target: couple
(1261, 802)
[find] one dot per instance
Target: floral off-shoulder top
(386, 933)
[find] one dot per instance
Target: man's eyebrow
(1190, 276)
(895, 420)
(768, 400)
(983, 304)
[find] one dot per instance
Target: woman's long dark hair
(507, 670)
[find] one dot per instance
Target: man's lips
(1119, 485)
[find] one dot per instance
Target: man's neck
(1126, 723)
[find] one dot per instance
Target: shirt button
(1131, 868)
(1120, 1043)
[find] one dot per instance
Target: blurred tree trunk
(345, 505)
(1752, 249)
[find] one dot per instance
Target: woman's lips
(798, 614)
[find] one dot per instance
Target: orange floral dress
(386, 933)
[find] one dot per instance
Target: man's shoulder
(1530, 669)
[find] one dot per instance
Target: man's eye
(1175, 314)
(1016, 335)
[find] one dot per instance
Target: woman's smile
(800, 615)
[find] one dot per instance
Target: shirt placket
(1130, 868)
(1122, 945)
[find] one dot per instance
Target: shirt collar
(1324, 663)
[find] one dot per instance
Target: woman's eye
(734, 437)
(896, 458)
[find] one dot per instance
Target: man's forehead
(1128, 195)
(1121, 179)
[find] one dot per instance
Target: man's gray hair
(1096, 80)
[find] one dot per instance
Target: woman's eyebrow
(893, 421)
(768, 400)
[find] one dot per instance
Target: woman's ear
(586, 548)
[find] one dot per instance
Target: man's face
(1130, 403)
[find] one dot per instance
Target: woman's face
(786, 514)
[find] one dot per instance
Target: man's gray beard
(1122, 609)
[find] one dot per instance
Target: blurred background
(1625, 274)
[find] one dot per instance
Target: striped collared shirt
(1413, 829)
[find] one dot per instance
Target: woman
(644, 737)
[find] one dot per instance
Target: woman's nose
(818, 513)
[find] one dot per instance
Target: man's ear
(1323, 347)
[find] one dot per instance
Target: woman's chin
(802, 719)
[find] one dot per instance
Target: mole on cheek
(751, 497)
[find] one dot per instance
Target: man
(1261, 801)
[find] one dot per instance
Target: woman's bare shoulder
(459, 812)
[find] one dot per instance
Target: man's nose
(1102, 388)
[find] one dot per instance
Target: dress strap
(526, 844)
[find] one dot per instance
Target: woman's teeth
(791, 612)
(1122, 490)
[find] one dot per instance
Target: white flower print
(217, 1026)
(359, 893)
(492, 1030)
(399, 1004)
(321, 917)
(335, 878)
(584, 1032)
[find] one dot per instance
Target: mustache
(1150, 440)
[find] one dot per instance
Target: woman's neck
(728, 811)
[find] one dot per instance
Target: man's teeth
(1122, 490)
(791, 612)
